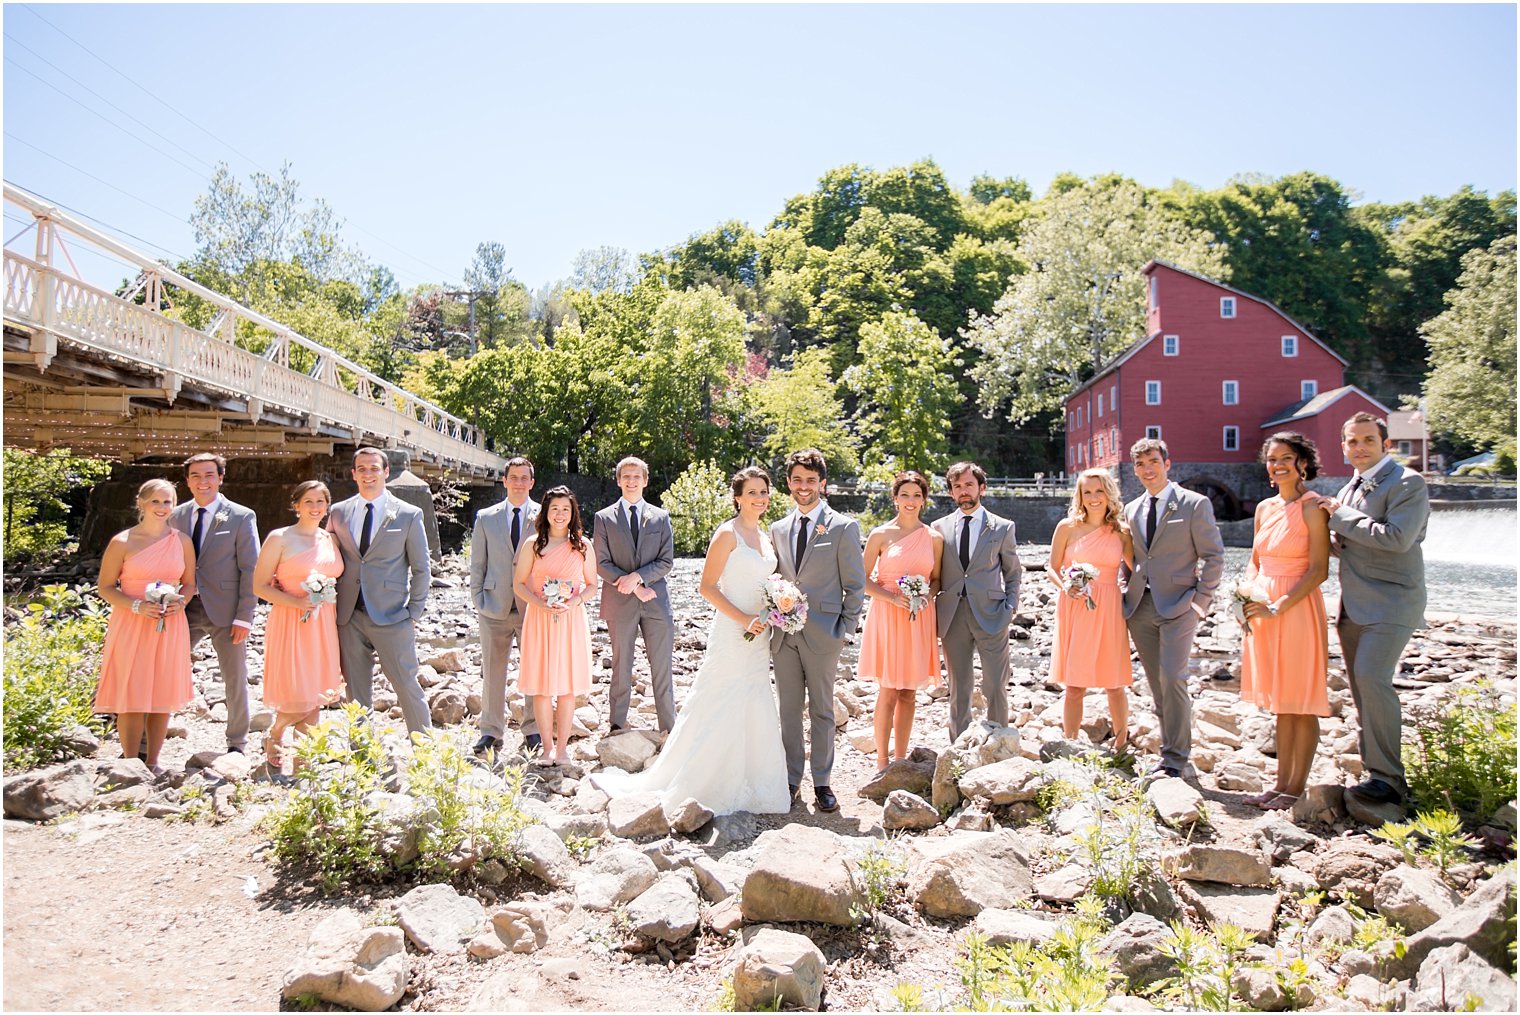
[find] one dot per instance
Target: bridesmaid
(144, 672)
(900, 654)
(1285, 655)
(1091, 646)
(301, 672)
(556, 640)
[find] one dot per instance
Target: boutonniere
(1170, 507)
(221, 516)
(1368, 485)
(821, 530)
(390, 516)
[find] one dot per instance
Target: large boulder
(800, 874)
(1251, 909)
(637, 816)
(1006, 926)
(1135, 946)
(119, 773)
(439, 920)
(906, 811)
(1281, 838)
(1453, 978)
(1482, 923)
(1176, 802)
(1227, 865)
(777, 970)
(629, 750)
(1413, 898)
(1353, 866)
(913, 774)
(615, 877)
(523, 927)
(1013, 780)
(667, 910)
(543, 854)
(351, 965)
(969, 872)
(45, 793)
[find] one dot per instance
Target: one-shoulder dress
(896, 652)
(556, 648)
(1285, 659)
(143, 669)
(1091, 647)
(301, 669)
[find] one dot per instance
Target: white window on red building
(1290, 345)
(1152, 392)
(1170, 344)
(1308, 389)
(1232, 438)
(1100, 405)
(1113, 398)
(1227, 307)
(1153, 433)
(1231, 395)
(1155, 291)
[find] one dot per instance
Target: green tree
(36, 486)
(1082, 301)
(798, 407)
(906, 388)
(1470, 392)
(605, 269)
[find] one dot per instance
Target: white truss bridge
(113, 377)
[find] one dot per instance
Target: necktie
(802, 524)
(1356, 490)
(195, 537)
(965, 542)
(1150, 523)
(516, 528)
(369, 518)
(633, 527)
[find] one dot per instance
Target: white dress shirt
(978, 519)
(1165, 497)
(812, 517)
(382, 503)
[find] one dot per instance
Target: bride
(725, 749)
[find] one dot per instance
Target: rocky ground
(162, 895)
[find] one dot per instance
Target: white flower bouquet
(557, 592)
(1246, 592)
(161, 593)
(785, 606)
(1075, 580)
(322, 589)
(916, 588)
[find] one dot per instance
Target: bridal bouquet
(1076, 579)
(322, 589)
(916, 588)
(1246, 592)
(785, 606)
(163, 594)
(557, 592)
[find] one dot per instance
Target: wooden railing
(335, 393)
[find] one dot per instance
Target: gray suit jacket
(1382, 570)
(492, 558)
(615, 558)
(832, 575)
(396, 572)
(224, 566)
(1185, 534)
(991, 583)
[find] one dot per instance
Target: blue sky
(557, 128)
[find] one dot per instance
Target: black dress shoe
(533, 742)
(827, 801)
(1376, 791)
(795, 792)
(234, 750)
(486, 743)
(614, 728)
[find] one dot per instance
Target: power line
(108, 226)
(92, 176)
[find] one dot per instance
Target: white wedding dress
(725, 749)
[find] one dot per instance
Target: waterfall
(1473, 535)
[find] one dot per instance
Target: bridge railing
(337, 392)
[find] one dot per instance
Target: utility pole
(470, 295)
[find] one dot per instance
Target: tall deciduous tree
(798, 407)
(1082, 301)
(906, 388)
(1470, 392)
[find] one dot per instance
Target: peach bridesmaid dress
(301, 670)
(556, 649)
(896, 652)
(1091, 647)
(1285, 658)
(143, 669)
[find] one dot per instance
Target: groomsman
(499, 530)
(386, 576)
(1168, 592)
(979, 595)
(820, 551)
(635, 550)
(1377, 522)
(226, 539)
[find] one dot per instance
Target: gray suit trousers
(231, 663)
(1372, 655)
(964, 634)
(360, 641)
(1164, 647)
(806, 678)
(496, 638)
(659, 630)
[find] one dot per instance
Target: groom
(820, 551)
